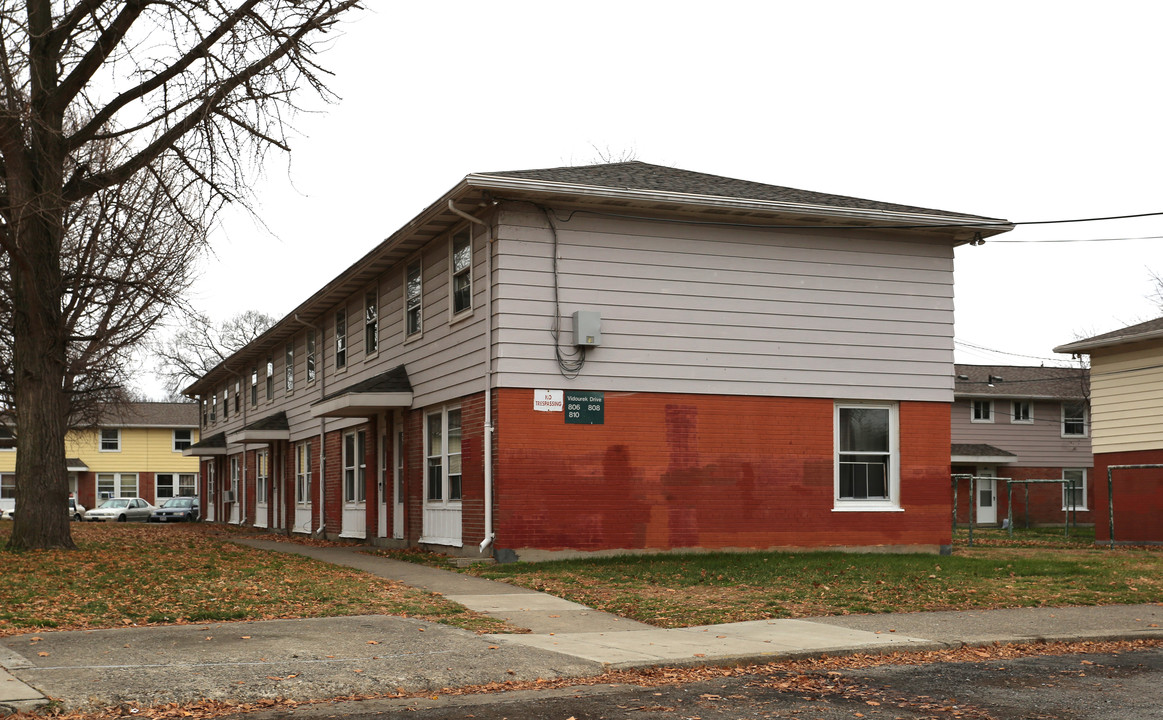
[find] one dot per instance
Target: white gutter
(493, 182)
(488, 491)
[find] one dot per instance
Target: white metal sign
(548, 400)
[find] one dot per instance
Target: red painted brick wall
(1045, 499)
(674, 471)
(1138, 497)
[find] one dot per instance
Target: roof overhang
(207, 447)
(247, 435)
(983, 459)
(75, 465)
(361, 404)
(1085, 346)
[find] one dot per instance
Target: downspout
(242, 490)
(322, 437)
(488, 425)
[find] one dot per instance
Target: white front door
(986, 496)
(354, 485)
(381, 479)
(398, 476)
(261, 488)
(211, 491)
(442, 487)
(233, 498)
(303, 488)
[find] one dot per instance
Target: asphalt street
(1124, 686)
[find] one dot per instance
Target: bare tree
(200, 345)
(95, 95)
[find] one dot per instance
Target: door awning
(269, 429)
(385, 391)
(208, 446)
(980, 454)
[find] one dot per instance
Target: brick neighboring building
(1126, 368)
(1022, 423)
(608, 358)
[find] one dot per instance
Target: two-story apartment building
(1126, 368)
(620, 357)
(1022, 423)
(138, 451)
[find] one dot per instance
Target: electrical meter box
(587, 328)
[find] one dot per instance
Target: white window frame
(261, 475)
(254, 387)
(355, 467)
(454, 274)
(237, 396)
(341, 338)
(270, 381)
(1081, 489)
(310, 357)
(226, 403)
(303, 473)
(417, 306)
(188, 441)
(449, 464)
(8, 486)
(119, 481)
(893, 476)
(1085, 420)
(1029, 406)
(973, 414)
(371, 323)
(289, 369)
(234, 475)
(115, 440)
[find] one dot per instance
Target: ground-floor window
(443, 454)
(176, 484)
(355, 467)
(111, 485)
(1074, 498)
(867, 457)
(7, 486)
(303, 473)
(261, 474)
(234, 473)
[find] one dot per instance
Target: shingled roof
(658, 178)
(1150, 330)
(1022, 381)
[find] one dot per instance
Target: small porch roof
(391, 389)
(980, 454)
(208, 446)
(269, 429)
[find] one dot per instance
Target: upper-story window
(110, 440)
(371, 323)
(1022, 412)
(183, 438)
(310, 356)
(238, 396)
(341, 339)
(205, 412)
(253, 386)
(981, 411)
(226, 403)
(1074, 419)
(461, 269)
(290, 369)
(413, 296)
(214, 407)
(270, 379)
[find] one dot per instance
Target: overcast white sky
(1027, 111)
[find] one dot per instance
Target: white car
(120, 510)
(76, 510)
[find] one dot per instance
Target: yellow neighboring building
(137, 453)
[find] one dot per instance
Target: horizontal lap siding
(712, 310)
(1127, 399)
(1036, 444)
(672, 471)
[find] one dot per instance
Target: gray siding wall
(446, 361)
(706, 309)
(1037, 444)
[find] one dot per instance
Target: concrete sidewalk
(350, 656)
